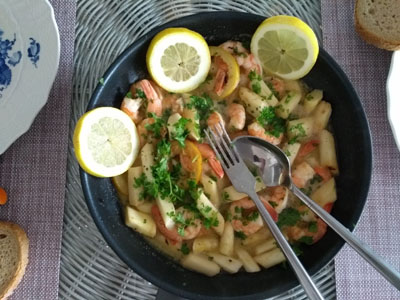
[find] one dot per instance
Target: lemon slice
(178, 59)
(106, 142)
(285, 46)
(233, 72)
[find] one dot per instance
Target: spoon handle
(376, 261)
(301, 273)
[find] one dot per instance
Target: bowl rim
(104, 230)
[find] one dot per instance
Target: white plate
(393, 96)
(29, 56)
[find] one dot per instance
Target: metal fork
(244, 182)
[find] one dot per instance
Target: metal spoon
(274, 167)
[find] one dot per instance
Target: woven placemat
(33, 171)
(379, 226)
(89, 268)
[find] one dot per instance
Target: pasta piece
(249, 263)
(162, 243)
(226, 243)
(300, 130)
(291, 151)
(326, 193)
(327, 151)
(134, 192)
(167, 210)
(270, 258)
(147, 156)
(311, 101)
(200, 263)
(194, 125)
(227, 263)
(208, 210)
(264, 247)
(140, 222)
(294, 85)
(145, 206)
(264, 91)
(205, 244)
(321, 116)
(287, 104)
(229, 193)
(255, 238)
(253, 103)
(172, 120)
(210, 187)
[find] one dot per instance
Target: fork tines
(222, 145)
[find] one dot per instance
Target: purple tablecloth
(33, 171)
(379, 226)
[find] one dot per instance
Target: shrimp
(296, 233)
(208, 154)
(245, 60)
(248, 223)
(171, 234)
(214, 119)
(301, 174)
(237, 115)
(234, 135)
(278, 86)
(153, 95)
(222, 71)
(276, 196)
(193, 229)
(131, 108)
(257, 130)
(173, 103)
(144, 134)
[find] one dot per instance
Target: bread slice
(14, 246)
(378, 22)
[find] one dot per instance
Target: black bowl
(354, 155)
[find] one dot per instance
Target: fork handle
(305, 279)
(372, 258)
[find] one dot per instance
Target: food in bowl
(176, 193)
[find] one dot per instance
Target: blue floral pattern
(33, 51)
(7, 60)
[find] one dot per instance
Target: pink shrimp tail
(155, 105)
(216, 166)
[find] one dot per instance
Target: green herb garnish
(240, 235)
(288, 217)
(269, 120)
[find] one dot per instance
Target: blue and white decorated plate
(29, 56)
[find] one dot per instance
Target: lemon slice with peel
(285, 46)
(233, 71)
(106, 142)
(178, 59)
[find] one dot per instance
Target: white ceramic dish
(29, 56)
(393, 96)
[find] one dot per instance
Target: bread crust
(371, 37)
(23, 249)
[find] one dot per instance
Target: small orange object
(3, 196)
(191, 160)
(307, 148)
(323, 172)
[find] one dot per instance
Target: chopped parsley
(236, 52)
(254, 76)
(269, 120)
(288, 217)
(203, 105)
(309, 97)
(185, 249)
(156, 127)
(271, 87)
(225, 196)
(287, 152)
(240, 235)
(101, 81)
(316, 179)
(181, 132)
(306, 191)
(129, 95)
(273, 204)
(312, 227)
(256, 87)
(252, 216)
(140, 94)
(308, 240)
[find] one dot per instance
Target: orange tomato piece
(307, 148)
(191, 160)
(3, 196)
